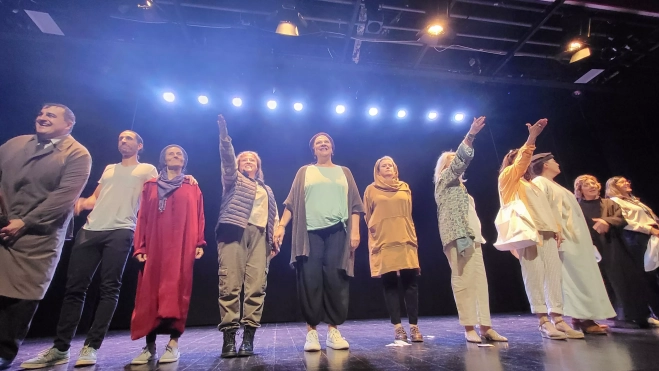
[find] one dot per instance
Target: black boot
(229, 346)
(247, 347)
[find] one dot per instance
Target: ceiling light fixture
(289, 19)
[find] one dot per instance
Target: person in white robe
(584, 294)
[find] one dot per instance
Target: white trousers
(469, 285)
(541, 270)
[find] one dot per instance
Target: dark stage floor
(279, 347)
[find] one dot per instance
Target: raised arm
(463, 155)
(523, 158)
(227, 155)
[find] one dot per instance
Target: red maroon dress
(169, 239)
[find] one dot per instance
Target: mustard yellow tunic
(392, 240)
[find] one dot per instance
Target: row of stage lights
(297, 106)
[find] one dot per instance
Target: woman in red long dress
(169, 237)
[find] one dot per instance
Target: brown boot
(416, 334)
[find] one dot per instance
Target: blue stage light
(372, 111)
(169, 97)
(340, 109)
(272, 104)
(458, 117)
(203, 99)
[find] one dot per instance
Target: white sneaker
(653, 322)
(170, 355)
(87, 356)
(145, 357)
(47, 358)
(312, 344)
(335, 341)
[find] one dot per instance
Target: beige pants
(541, 270)
(243, 263)
(469, 285)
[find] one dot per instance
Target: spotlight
(297, 106)
(579, 55)
(401, 113)
(272, 104)
(574, 45)
(340, 109)
(372, 111)
(203, 99)
(435, 29)
(169, 97)
(289, 19)
(287, 28)
(432, 115)
(237, 102)
(458, 117)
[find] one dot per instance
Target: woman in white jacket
(642, 223)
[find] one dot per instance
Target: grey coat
(295, 202)
(452, 198)
(40, 188)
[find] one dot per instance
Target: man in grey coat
(41, 176)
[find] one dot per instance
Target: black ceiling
(512, 41)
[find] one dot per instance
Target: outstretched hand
(537, 128)
(477, 125)
(221, 122)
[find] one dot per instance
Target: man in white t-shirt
(105, 240)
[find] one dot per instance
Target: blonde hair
(578, 183)
(259, 169)
(443, 163)
(612, 189)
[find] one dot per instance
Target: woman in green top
(325, 207)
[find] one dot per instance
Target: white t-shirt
(259, 215)
(119, 200)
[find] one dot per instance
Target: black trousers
(15, 318)
(322, 285)
(109, 249)
(638, 243)
(165, 329)
(408, 279)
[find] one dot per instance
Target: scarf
(392, 185)
(166, 187)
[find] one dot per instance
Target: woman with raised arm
(392, 244)
(541, 264)
(325, 208)
(619, 268)
(584, 294)
(244, 234)
(460, 231)
(642, 223)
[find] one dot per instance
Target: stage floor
(280, 347)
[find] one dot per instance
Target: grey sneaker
(87, 356)
(170, 355)
(145, 357)
(47, 358)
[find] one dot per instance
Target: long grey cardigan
(295, 202)
(40, 188)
